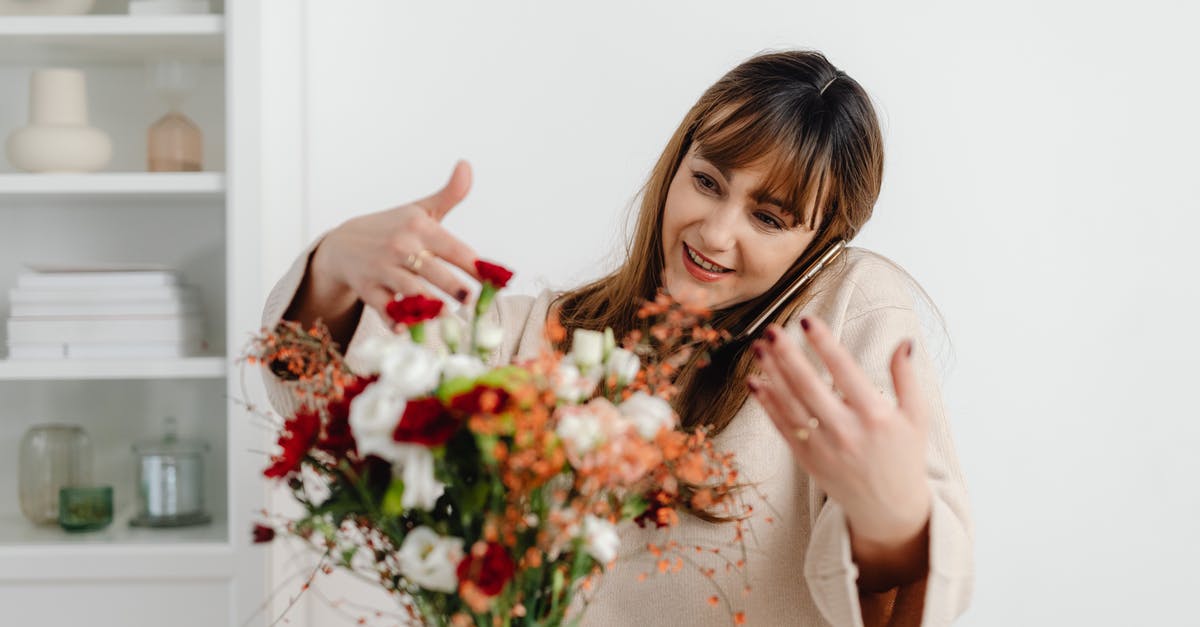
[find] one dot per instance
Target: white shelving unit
(205, 575)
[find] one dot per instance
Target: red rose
(490, 571)
(414, 309)
(337, 440)
(426, 422)
(297, 436)
(492, 273)
(263, 533)
(480, 399)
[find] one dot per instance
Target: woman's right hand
(399, 251)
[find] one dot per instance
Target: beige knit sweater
(799, 569)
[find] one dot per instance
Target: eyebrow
(761, 198)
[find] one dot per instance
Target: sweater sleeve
(872, 335)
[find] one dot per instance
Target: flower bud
(588, 348)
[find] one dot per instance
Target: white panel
(183, 604)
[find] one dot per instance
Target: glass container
(85, 508)
(170, 481)
(52, 456)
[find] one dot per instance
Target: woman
(862, 510)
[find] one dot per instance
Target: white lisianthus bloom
(649, 414)
(579, 428)
(570, 385)
(371, 351)
(462, 366)
(374, 415)
(600, 538)
(622, 364)
(488, 335)
(587, 347)
(452, 331)
(430, 560)
(411, 369)
(415, 469)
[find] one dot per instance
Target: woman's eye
(704, 181)
(769, 220)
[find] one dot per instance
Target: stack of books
(103, 311)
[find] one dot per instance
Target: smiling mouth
(704, 262)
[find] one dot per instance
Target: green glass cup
(85, 508)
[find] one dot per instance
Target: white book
(102, 295)
(98, 311)
(143, 350)
(140, 329)
(79, 280)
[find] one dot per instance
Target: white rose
(430, 560)
(648, 414)
(570, 386)
(462, 366)
(374, 415)
(580, 429)
(415, 469)
(488, 335)
(600, 539)
(588, 348)
(411, 369)
(623, 364)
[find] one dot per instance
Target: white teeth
(702, 263)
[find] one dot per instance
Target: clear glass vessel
(52, 456)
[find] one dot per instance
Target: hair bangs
(795, 155)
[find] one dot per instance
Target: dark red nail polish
(757, 351)
(908, 352)
(752, 385)
(770, 333)
(804, 324)
(462, 296)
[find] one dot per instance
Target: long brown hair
(816, 128)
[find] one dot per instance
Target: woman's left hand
(866, 452)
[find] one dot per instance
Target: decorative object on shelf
(174, 143)
(58, 138)
(168, 7)
(170, 481)
(103, 310)
(85, 508)
(52, 456)
(45, 7)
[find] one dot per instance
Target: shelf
(114, 183)
(66, 369)
(108, 38)
(31, 553)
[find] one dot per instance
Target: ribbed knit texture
(798, 563)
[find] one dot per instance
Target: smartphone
(805, 278)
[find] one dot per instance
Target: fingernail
(752, 385)
(804, 324)
(908, 351)
(758, 352)
(770, 333)
(462, 296)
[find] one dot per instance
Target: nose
(717, 230)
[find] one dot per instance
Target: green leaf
(634, 507)
(392, 498)
(454, 387)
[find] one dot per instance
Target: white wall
(1040, 184)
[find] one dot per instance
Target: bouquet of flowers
(491, 496)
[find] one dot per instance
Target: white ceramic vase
(58, 138)
(45, 7)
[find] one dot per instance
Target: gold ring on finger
(805, 432)
(415, 260)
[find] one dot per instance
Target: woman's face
(722, 245)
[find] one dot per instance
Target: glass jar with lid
(170, 475)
